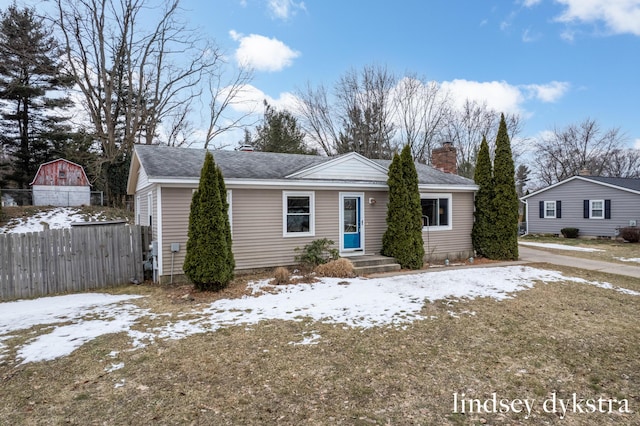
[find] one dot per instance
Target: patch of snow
(58, 218)
(558, 246)
(114, 367)
(63, 323)
(628, 259)
(313, 339)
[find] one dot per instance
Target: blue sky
(555, 62)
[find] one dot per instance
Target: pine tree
(209, 261)
(280, 132)
(31, 84)
(403, 237)
(505, 197)
(482, 233)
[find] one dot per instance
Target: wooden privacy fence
(68, 260)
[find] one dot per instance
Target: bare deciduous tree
(467, 125)
(565, 152)
(422, 110)
(139, 68)
(225, 94)
(624, 163)
(365, 106)
(317, 118)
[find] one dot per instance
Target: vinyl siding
(456, 242)
(175, 224)
(625, 206)
(257, 223)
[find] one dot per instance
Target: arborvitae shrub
(505, 199)
(209, 261)
(484, 214)
(403, 238)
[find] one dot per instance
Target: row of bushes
(629, 233)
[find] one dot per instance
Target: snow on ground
(57, 218)
(628, 259)
(557, 246)
(63, 323)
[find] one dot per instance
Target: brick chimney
(444, 158)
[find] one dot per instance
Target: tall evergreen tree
(483, 225)
(505, 197)
(280, 132)
(30, 73)
(403, 237)
(209, 261)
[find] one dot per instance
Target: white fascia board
(583, 178)
(447, 187)
(315, 184)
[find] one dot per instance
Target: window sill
(436, 228)
(298, 234)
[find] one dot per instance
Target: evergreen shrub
(316, 253)
(630, 234)
(570, 232)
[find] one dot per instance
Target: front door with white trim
(351, 222)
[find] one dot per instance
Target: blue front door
(352, 220)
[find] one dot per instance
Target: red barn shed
(61, 183)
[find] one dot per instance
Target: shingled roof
(628, 183)
(163, 162)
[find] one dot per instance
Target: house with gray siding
(597, 206)
(278, 202)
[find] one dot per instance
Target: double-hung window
(436, 211)
(596, 209)
(298, 214)
(550, 209)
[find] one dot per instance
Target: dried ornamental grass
(281, 275)
(339, 268)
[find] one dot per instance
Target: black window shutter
(541, 209)
(558, 209)
(607, 209)
(585, 205)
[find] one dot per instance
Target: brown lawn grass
(562, 337)
(613, 250)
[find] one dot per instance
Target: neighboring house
(61, 183)
(278, 202)
(597, 206)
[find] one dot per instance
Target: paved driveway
(529, 254)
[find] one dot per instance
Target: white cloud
(284, 9)
(498, 95)
(636, 144)
(531, 3)
(549, 92)
(263, 53)
(250, 100)
(502, 96)
(619, 16)
(529, 36)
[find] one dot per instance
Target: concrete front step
(372, 264)
(376, 269)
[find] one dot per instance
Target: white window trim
(137, 210)
(546, 216)
(230, 211)
(312, 213)
(591, 216)
(448, 227)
